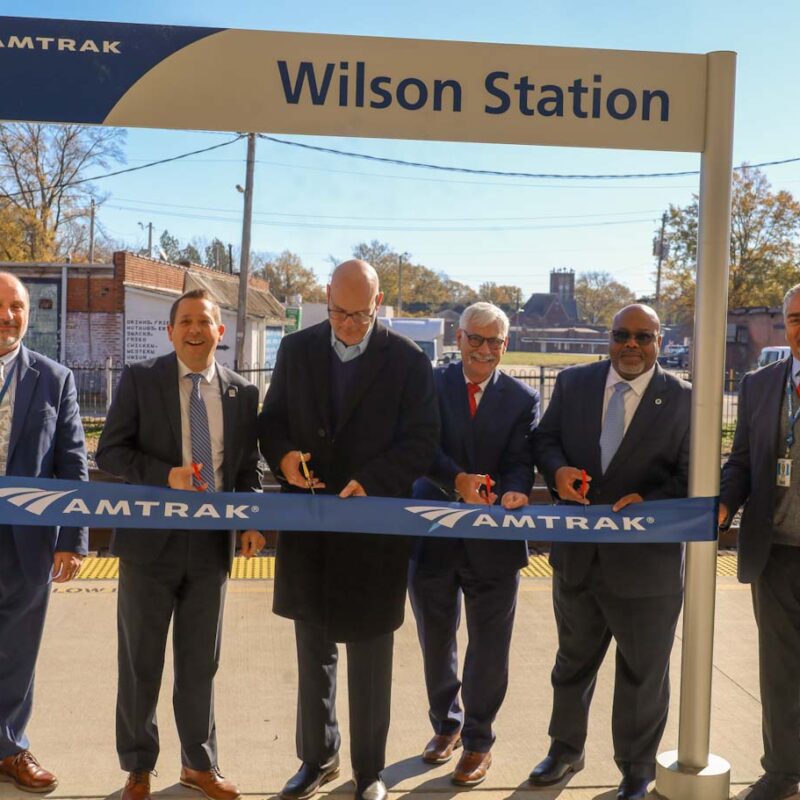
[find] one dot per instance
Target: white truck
(427, 332)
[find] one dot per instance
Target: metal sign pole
(692, 772)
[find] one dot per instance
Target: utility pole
(244, 260)
(91, 233)
(230, 259)
(149, 227)
(400, 283)
(659, 248)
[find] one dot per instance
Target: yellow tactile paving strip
(263, 567)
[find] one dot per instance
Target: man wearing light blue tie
(183, 421)
(623, 425)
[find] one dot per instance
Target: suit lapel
(168, 384)
(230, 399)
(369, 365)
(26, 377)
(592, 420)
(773, 399)
(458, 401)
(319, 355)
(654, 402)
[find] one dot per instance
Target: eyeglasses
(642, 338)
(476, 341)
(360, 318)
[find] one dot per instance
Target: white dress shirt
(632, 398)
(209, 390)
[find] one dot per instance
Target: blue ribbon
(37, 501)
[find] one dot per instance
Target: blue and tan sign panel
(218, 79)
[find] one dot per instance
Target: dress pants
(23, 606)
(186, 584)
(490, 603)
(776, 602)
(369, 683)
(587, 616)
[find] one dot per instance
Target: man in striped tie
(622, 427)
(184, 421)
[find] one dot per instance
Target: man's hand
(512, 500)
(723, 515)
(626, 501)
(292, 471)
(353, 489)
(565, 479)
(468, 487)
(252, 543)
(65, 566)
(181, 478)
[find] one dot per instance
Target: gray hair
(787, 298)
(483, 314)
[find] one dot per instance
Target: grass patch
(520, 359)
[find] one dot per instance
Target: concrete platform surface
(72, 731)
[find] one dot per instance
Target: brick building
(87, 313)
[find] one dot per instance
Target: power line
(500, 173)
(130, 169)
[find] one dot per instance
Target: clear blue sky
(474, 229)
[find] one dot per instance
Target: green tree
(40, 170)
(287, 276)
(507, 297)
(764, 248)
(599, 297)
(216, 255)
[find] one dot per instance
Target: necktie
(614, 424)
(5, 421)
(199, 432)
(472, 390)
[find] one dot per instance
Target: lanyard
(793, 415)
(7, 382)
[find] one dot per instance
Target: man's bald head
(638, 308)
(14, 309)
(353, 299)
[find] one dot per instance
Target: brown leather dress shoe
(472, 768)
(211, 783)
(440, 748)
(23, 770)
(137, 787)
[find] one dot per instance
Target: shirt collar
(638, 384)
(482, 384)
(208, 373)
(347, 352)
(9, 358)
(795, 369)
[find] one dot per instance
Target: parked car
(676, 356)
(770, 354)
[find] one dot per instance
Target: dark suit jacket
(496, 442)
(653, 461)
(351, 584)
(46, 441)
(141, 440)
(748, 476)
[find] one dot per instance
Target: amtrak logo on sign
(36, 501)
(62, 44)
(449, 518)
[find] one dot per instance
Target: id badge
(784, 473)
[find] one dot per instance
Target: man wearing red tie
(484, 457)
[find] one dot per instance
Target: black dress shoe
(553, 769)
(773, 787)
(370, 788)
(633, 788)
(309, 778)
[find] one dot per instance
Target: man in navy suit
(484, 456)
(183, 421)
(626, 423)
(41, 436)
(763, 473)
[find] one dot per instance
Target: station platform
(72, 731)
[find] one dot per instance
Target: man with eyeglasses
(625, 422)
(353, 404)
(484, 457)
